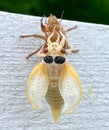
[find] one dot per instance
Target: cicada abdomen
(53, 96)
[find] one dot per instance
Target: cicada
(54, 78)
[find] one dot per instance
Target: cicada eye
(48, 59)
(59, 60)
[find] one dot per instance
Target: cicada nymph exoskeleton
(54, 78)
(47, 28)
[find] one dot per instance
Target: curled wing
(70, 88)
(37, 85)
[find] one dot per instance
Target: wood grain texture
(91, 63)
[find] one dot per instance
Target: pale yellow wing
(70, 88)
(37, 85)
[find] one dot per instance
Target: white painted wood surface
(91, 63)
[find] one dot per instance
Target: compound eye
(59, 60)
(48, 59)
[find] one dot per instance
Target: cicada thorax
(53, 96)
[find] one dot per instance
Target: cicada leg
(69, 29)
(33, 35)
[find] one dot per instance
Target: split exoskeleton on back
(54, 78)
